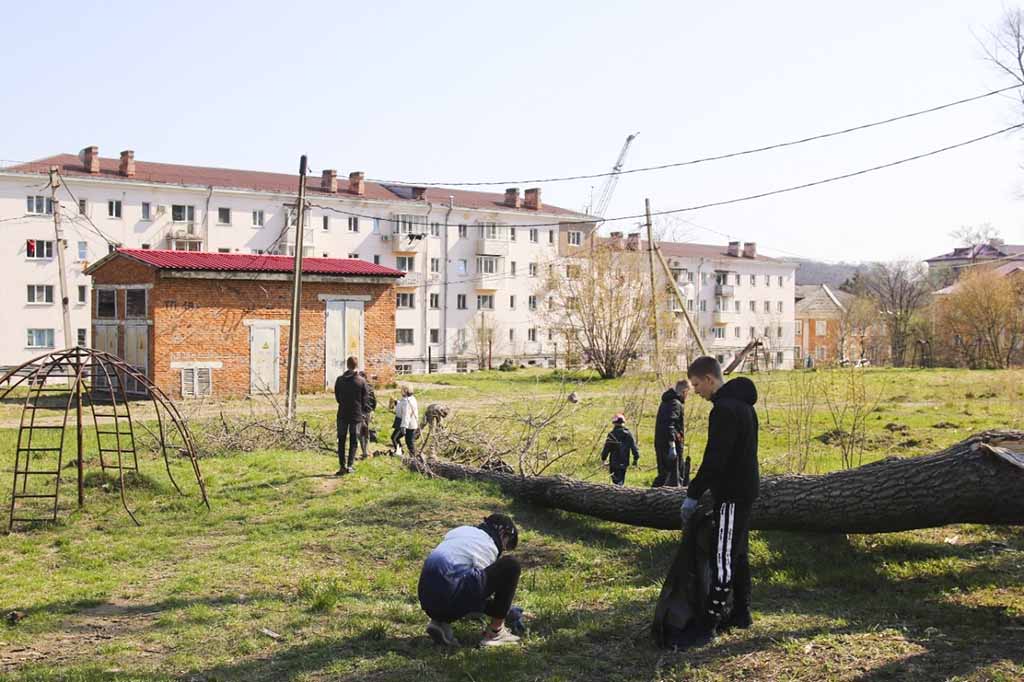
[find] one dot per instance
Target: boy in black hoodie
(617, 447)
(729, 470)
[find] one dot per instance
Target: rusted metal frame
(72, 390)
(52, 364)
(117, 430)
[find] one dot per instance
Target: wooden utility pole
(654, 291)
(293, 331)
(682, 302)
(58, 245)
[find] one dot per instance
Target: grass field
(296, 575)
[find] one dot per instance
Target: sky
(441, 91)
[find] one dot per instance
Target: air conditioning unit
(385, 237)
(182, 233)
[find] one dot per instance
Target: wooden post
(78, 429)
(293, 331)
(654, 291)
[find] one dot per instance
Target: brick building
(820, 318)
(207, 324)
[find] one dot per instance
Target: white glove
(687, 510)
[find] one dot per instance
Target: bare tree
(484, 338)
(801, 401)
(984, 319)
(976, 235)
(600, 303)
(1004, 47)
(899, 289)
(849, 404)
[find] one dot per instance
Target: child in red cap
(617, 447)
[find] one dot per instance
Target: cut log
(978, 480)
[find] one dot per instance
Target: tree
(974, 481)
(485, 338)
(983, 318)
(976, 235)
(600, 303)
(1004, 47)
(899, 289)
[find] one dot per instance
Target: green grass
(330, 565)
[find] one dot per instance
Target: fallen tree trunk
(978, 480)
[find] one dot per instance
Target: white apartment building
(473, 258)
(733, 294)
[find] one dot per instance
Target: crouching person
(467, 573)
(618, 446)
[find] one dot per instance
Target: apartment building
(734, 295)
(473, 260)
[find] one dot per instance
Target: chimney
(734, 249)
(329, 181)
(512, 197)
(615, 240)
(357, 183)
(532, 199)
(90, 158)
(127, 167)
(418, 192)
(633, 241)
(750, 250)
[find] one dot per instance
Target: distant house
(216, 325)
(947, 267)
(819, 322)
(1013, 268)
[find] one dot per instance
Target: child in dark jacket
(617, 448)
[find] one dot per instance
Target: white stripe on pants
(723, 557)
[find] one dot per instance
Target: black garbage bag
(687, 588)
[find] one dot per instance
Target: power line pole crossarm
(293, 331)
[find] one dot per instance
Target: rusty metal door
(264, 373)
(136, 354)
(343, 336)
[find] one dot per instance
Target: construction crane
(605, 197)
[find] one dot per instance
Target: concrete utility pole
(654, 293)
(293, 331)
(59, 245)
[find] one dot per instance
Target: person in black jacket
(668, 434)
(729, 470)
(350, 390)
(617, 448)
(371, 405)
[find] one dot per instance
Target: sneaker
(350, 469)
(441, 633)
(499, 638)
(737, 619)
(340, 472)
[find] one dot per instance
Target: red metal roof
(228, 178)
(238, 262)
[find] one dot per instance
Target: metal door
(104, 339)
(136, 347)
(264, 371)
(343, 337)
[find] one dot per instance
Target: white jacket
(409, 413)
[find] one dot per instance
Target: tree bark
(978, 480)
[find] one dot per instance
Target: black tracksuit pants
(668, 467)
(500, 583)
(730, 569)
(351, 430)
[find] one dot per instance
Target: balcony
(723, 316)
(411, 279)
(487, 281)
(724, 290)
(492, 247)
(406, 243)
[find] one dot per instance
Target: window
(83, 250)
(779, 334)
(403, 368)
(83, 291)
(39, 205)
(718, 332)
(403, 337)
(778, 355)
(196, 382)
(462, 266)
(703, 278)
(435, 229)
(114, 208)
(512, 302)
(780, 280)
(533, 269)
(531, 302)
(767, 332)
(779, 306)
(486, 265)
(703, 305)
(689, 277)
(38, 249)
(511, 335)
(435, 301)
(406, 263)
(460, 301)
(83, 207)
(39, 294)
(512, 234)
(135, 303)
(531, 334)
(738, 279)
(721, 278)
(83, 337)
(752, 333)
(223, 216)
(753, 280)
(551, 236)
(575, 238)
(110, 248)
(181, 213)
(106, 303)
(145, 246)
(435, 336)
(820, 327)
(352, 256)
(767, 306)
(406, 300)
(799, 330)
(257, 218)
(485, 302)
(767, 280)
(512, 268)
(534, 235)
(460, 337)
(737, 306)
(753, 306)
(462, 231)
(736, 332)
(435, 265)
(689, 305)
(40, 338)
(147, 212)
(376, 260)
(488, 230)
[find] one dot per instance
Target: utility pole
(293, 330)
(654, 293)
(59, 244)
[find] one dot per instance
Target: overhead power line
(706, 159)
(725, 202)
(97, 230)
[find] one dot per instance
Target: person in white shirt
(409, 413)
